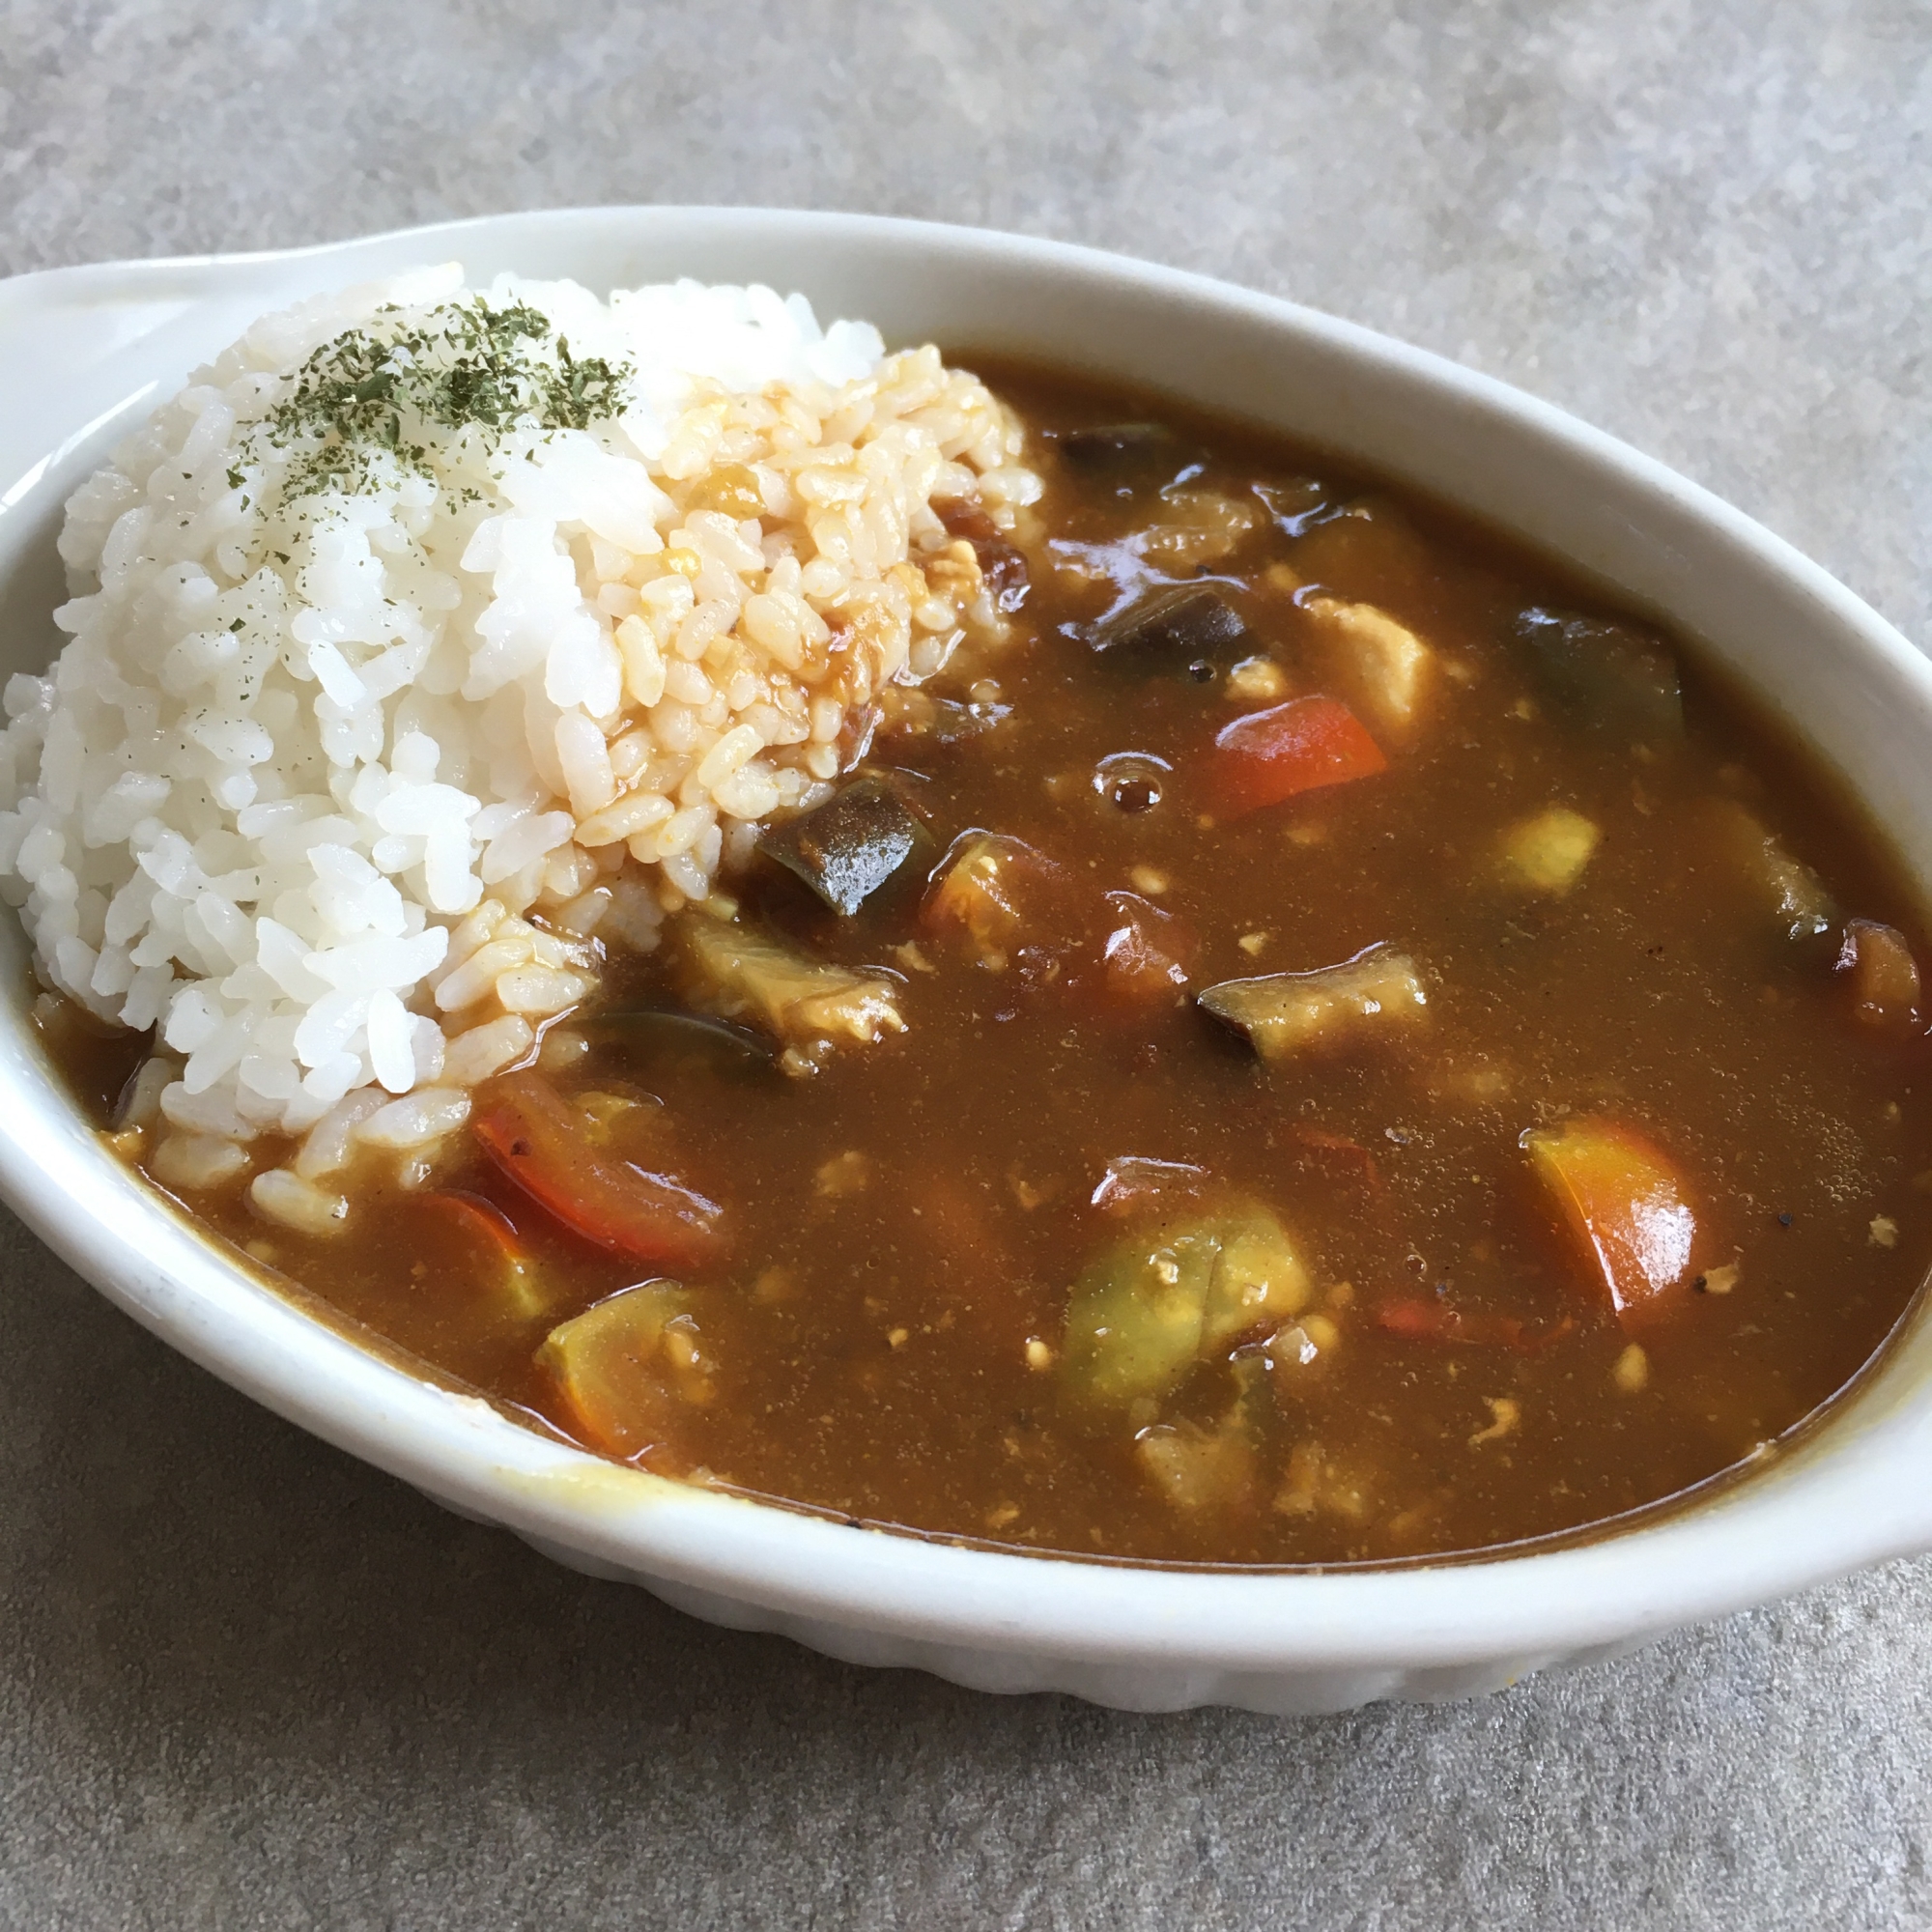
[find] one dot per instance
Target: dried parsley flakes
(463, 365)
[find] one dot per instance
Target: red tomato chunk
(1266, 756)
(539, 1142)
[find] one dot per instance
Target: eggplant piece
(656, 1034)
(1002, 568)
(946, 720)
(1133, 1183)
(1148, 1307)
(629, 1369)
(1195, 1468)
(1132, 457)
(1106, 446)
(1187, 619)
(1286, 1013)
(1795, 897)
(739, 974)
(1605, 674)
(953, 722)
(1196, 527)
(848, 847)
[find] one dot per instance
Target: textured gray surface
(245, 1682)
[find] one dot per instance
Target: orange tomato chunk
(993, 894)
(1268, 755)
(1883, 976)
(1627, 1205)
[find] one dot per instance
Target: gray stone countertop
(246, 1681)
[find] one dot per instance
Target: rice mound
(417, 652)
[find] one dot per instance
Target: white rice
(345, 785)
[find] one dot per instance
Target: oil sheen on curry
(1326, 1043)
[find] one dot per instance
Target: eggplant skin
(1003, 569)
(1108, 445)
(1604, 672)
(1174, 1291)
(1186, 620)
(848, 847)
(739, 974)
(1286, 1013)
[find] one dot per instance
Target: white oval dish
(88, 351)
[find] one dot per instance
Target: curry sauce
(1328, 1044)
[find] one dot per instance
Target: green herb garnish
(463, 366)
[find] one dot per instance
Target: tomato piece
(979, 1294)
(1147, 950)
(539, 1141)
(1881, 973)
(1338, 1157)
(993, 896)
(1266, 756)
(1625, 1203)
(1418, 1319)
(475, 1258)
